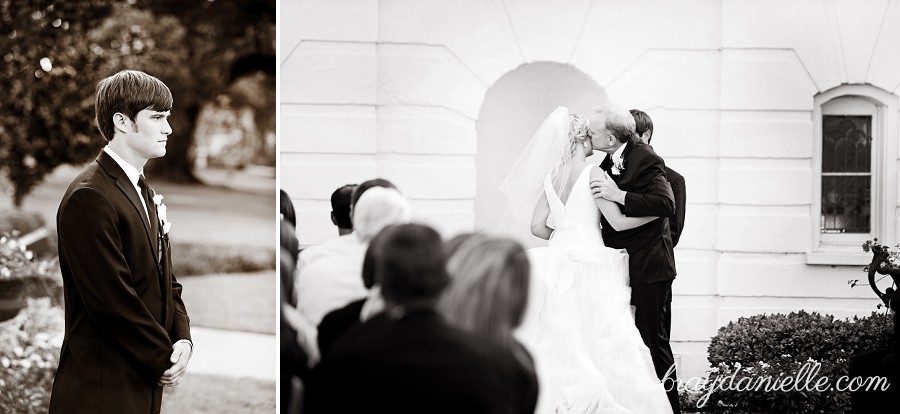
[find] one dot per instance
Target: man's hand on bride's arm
(606, 188)
(181, 354)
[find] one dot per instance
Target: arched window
(854, 173)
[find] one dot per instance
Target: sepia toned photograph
(589, 206)
(137, 206)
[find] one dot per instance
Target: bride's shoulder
(596, 172)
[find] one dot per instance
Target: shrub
(779, 346)
(16, 223)
(12, 221)
(190, 259)
(29, 355)
(39, 277)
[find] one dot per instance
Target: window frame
(845, 249)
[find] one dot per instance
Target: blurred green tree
(226, 40)
(46, 110)
(54, 54)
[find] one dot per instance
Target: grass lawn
(237, 301)
(203, 394)
(191, 259)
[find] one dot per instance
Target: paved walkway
(234, 354)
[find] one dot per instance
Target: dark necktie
(151, 211)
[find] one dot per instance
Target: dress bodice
(576, 222)
(579, 209)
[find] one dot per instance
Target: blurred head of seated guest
(488, 295)
(340, 208)
(411, 268)
(408, 352)
(365, 186)
(489, 289)
(378, 208)
(287, 209)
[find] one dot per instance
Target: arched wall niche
(512, 110)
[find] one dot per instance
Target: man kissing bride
(609, 249)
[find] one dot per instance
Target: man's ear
(333, 219)
(647, 135)
(120, 121)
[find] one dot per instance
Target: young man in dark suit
(127, 331)
(643, 127)
(638, 184)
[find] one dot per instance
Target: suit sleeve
(89, 238)
(676, 222)
(181, 323)
(653, 195)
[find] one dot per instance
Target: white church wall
(397, 89)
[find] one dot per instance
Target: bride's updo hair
(578, 129)
(578, 132)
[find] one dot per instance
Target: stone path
(234, 354)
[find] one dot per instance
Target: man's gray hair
(618, 120)
(378, 208)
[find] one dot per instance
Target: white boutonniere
(161, 213)
(618, 166)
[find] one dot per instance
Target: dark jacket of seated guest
(338, 322)
(413, 362)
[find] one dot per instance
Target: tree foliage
(54, 53)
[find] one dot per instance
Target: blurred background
(218, 179)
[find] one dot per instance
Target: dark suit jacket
(337, 323)
(676, 221)
(123, 308)
(650, 255)
(418, 364)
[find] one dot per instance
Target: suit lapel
(127, 188)
(627, 174)
(154, 224)
(606, 164)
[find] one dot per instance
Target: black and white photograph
(589, 206)
(138, 206)
(449, 206)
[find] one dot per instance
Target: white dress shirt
(132, 173)
(617, 157)
(329, 276)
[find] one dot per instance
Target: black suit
(418, 364)
(123, 307)
(676, 221)
(651, 260)
(337, 323)
(648, 195)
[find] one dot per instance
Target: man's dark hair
(340, 206)
(365, 185)
(129, 92)
(287, 209)
(411, 264)
(642, 123)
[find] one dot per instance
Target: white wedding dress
(588, 354)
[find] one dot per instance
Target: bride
(579, 327)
